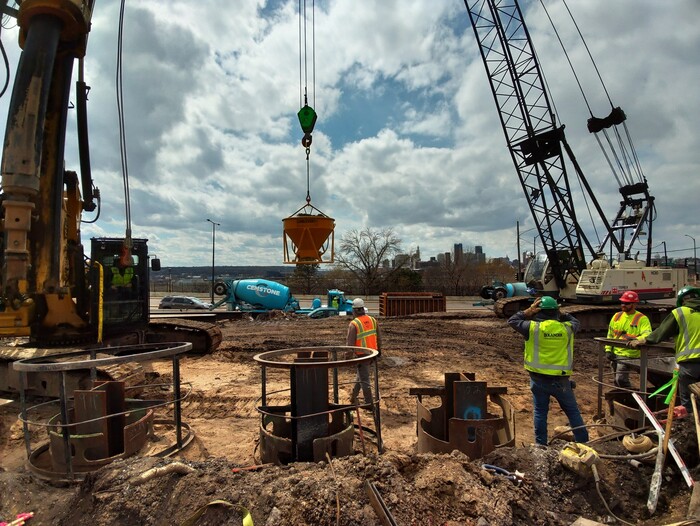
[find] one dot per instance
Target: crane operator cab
(124, 283)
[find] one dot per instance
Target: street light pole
(520, 268)
(695, 258)
(213, 253)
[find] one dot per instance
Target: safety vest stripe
(364, 335)
(536, 363)
(685, 350)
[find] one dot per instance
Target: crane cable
(122, 132)
(631, 159)
(625, 162)
(307, 115)
(5, 25)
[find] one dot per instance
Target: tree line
(372, 261)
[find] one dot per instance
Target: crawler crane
(538, 147)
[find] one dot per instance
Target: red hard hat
(629, 296)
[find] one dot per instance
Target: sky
(407, 136)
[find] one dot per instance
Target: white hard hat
(358, 303)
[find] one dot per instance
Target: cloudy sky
(407, 137)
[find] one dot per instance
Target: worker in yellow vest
(549, 360)
(683, 323)
(628, 324)
(122, 276)
(362, 332)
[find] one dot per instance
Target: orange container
(308, 237)
(405, 303)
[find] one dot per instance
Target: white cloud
(408, 134)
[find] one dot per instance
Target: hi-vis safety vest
(550, 348)
(119, 280)
(627, 327)
(688, 339)
(366, 327)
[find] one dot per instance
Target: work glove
(636, 343)
(533, 309)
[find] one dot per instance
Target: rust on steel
(462, 421)
(309, 420)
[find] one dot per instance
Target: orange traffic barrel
(308, 236)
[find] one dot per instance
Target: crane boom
(529, 124)
(541, 154)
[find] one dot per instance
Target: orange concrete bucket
(308, 237)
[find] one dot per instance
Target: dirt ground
(418, 489)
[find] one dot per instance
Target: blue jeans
(543, 387)
(688, 373)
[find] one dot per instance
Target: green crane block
(307, 118)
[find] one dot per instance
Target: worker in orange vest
(362, 332)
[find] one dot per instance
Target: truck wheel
(499, 293)
(220, 288)
(486, 292)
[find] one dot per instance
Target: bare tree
(304, 278)
(363, 252)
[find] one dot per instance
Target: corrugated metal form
(404, 303)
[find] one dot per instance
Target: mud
(425, 489)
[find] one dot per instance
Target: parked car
(323, 312)
(183, 303)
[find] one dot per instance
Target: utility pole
(665, 255)
(695, 258)
(213, 254)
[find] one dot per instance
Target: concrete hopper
(308, 237)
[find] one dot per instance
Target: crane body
(571, 268)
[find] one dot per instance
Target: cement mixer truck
(257, 296)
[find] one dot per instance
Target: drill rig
(53, 294)
(538, 147)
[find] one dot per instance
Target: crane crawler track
(594, 318)
(204, 336)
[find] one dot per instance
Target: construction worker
(683, 323)
(362, 332)
(549, 359)
(122, 276)
(628, 324)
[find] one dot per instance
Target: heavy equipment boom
(51, 292)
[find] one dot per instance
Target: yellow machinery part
(579, 458)
(74, 14)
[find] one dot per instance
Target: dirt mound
(417, 489)
(420, 489)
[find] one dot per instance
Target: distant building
(432, 263)
(458, 253)
(402, 260)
